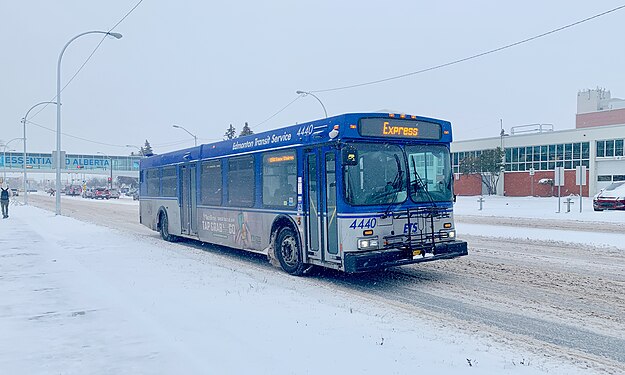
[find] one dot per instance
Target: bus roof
(309, 133)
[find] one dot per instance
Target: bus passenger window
(279, 179)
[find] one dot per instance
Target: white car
(610, 198)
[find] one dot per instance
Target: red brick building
(597, 143)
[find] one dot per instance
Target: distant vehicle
(610, 198)
(114, 194)
(124, 190)
(15, 192)
(135, 195)
(87, 193)
(101, 193)
(73, 190)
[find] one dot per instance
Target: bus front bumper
(380, 259)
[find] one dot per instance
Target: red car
(101, 193)
(610, 198)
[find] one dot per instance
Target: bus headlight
(447, 234)
(368, 243)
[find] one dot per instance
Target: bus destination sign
(399, 128)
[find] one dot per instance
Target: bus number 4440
(364, 223)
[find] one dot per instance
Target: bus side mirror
(350, 156)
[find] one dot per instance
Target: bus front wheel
(289, 252)
(164, 228)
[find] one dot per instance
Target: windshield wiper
(420, 184)
(396, 185)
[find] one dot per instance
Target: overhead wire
(472, 56)
(89, 57)
(435, 67)
(275, 114)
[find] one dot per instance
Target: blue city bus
(355, 192)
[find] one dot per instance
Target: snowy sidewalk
(76, 298)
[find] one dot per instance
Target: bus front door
(322, 238)
(188, 206)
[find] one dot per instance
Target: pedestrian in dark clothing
(4, 200)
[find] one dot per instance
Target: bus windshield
(430, 173)
(377, 176)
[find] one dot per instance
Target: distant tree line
(231, 132)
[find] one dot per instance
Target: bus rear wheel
(164, 229)
(289, 252)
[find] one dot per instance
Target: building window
(536, 153)
(585, 150)
(618, 147)
(211, 183)
(609, 148)
(568, 151)
(576, 151)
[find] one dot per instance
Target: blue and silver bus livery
(356, 192)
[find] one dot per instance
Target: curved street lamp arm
(188, 132)
(300, 92)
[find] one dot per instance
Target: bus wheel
(289, 252)
(164, 229)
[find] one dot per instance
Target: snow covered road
(562, 299)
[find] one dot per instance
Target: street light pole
(58, 113)
(25, 120)
(304, 93)
(193, 135)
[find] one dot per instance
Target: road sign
(580, 175)
(532, 171)
(558, 178)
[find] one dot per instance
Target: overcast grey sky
(205, 65)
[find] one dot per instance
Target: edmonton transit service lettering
(264, 141)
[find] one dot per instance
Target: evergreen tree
(488, 165)
(146, 150)
(246, 130)
(231, 133)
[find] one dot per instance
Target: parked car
(610, 198)
(135, 195)
(114, 194)
(101, 193)
(87, 193)
(73, 190)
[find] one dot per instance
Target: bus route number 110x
(364, 223)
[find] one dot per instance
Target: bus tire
(163, 228)
(289, 252)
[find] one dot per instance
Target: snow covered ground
(76, 298)
(543, 213)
